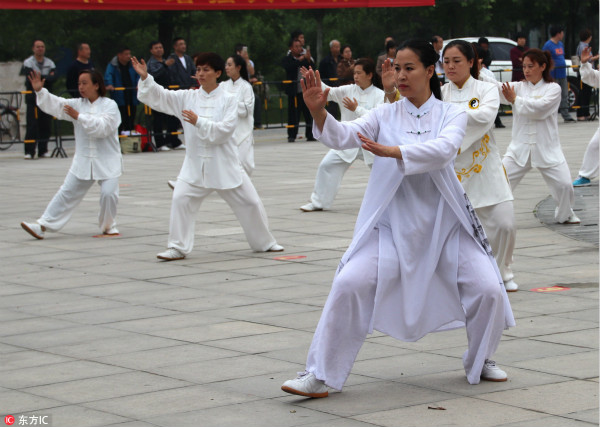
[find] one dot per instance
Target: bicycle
(10, 131)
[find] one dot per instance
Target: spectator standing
(438, 44)
(585, 91)
(158, 67)
(559, 72)
(120, 74)
(82, 62)
(292, 63)
(182, 69)
(253, 78)
(390, 53)
(345, 69)
(516, 57)
(38, 122)
(328, 70)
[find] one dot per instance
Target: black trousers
(127, 117)
(296, 106)
(583, 100)
(160, 122)
(38, 129)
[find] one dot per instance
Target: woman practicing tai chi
(356, 99)
(419, 260)
(209, 116)
(535, 141)
(478, 164)
(97, 153)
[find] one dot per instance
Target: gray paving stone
(577, 365)
(15, 402)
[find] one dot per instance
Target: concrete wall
(11, 81)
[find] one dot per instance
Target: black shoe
(569, 120)
(291, 139)
(500, 125)
(311, 139)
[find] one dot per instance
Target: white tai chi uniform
(97, 158)
(589, 166)
(479, 168)
(419, 260)
(535, 141)
(336, 162)
(243, 131)
(211, 163)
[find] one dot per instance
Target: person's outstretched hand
(315, 98)
(35, 78)
(379, 149)
(140, 67)
(388, 78)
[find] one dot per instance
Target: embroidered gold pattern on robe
(478, 158)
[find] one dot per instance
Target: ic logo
(474, 104)
(9, 420)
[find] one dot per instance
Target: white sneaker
(179, 147)
(491, 372)
(112, 231)
(34, 229)
(163, 148)
(309, 207)
(171, 254)
(28, 157)
(46, 155)
(306, 384)
(511, 286)
(171, 183)
(573, 219)
(275, 248)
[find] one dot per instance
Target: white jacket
(245, 108)
(478, 165)
(589, 76)
(97, 148)
(211, 158)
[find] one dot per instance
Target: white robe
(589, 166)
(97, 149)
(367, 99)
(211, 157)
(243, 135)
(478, 165)
(416, 290)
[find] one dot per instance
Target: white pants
(348, 311)
(243, 200)
(558, 180)
(499, 224)
(246, 155)
(589, 166)
(71, 193)
(329, 178)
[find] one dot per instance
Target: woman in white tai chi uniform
(238, 84)
(419, 260)
(97, 156)
(589, 166)
(535, 141)
(478, 165)
(209, 116)
(356, 99)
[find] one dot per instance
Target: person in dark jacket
(82, 62)
(158, 67)
(328, 70)
(120, 74)
(182, 75)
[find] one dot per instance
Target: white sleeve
(100, 125)
(219, 132)
(54, 105)
(160, 99)
(538, 108)
(589, 76)
(481, 119)
(246, 101)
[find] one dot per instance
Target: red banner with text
(204, 4)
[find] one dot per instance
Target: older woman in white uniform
(209, 116)
(97, 156)
(419, 260)
(535, 141)
(478, 165)
(356, 99)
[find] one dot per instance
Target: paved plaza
(98, 332)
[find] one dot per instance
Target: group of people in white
(434, 239)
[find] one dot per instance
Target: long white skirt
(499, 224)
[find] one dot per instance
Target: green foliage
(267, 31)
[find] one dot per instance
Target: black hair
(483, 40)
(344, 48)
(239, 61)
(390, 44)
(520, 35)
(555, 29)
(211, 59)
(541, 57)
(585, 34)
(238, 47)
(152, 43)
(122, 49)
(296, 33)
(292, 40)
(368, 67)
(468, 51)
(176, 39)
(428, 57)
(96, 78)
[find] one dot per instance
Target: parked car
(502, 65)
